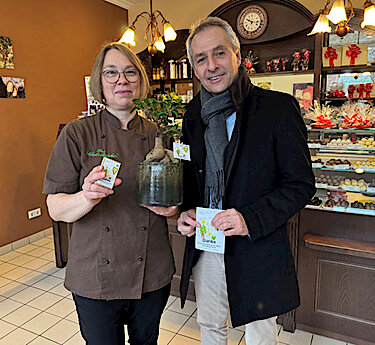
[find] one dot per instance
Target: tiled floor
(36, 309)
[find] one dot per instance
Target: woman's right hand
(94, 193)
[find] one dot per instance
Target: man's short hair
(96, 86)
(209, 22)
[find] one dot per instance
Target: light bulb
(169, 33)
(128, 37)
(321, 25)
(338, 12)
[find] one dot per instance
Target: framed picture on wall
(267, 85)
(12, 87)
(6, 53)
(303, 92)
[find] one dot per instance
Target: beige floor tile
(21, 315)
(181, 340)
(22, 260)
(242, 342)
(172, 321)
(47, 283)
(62, 331)
(296, 338)
(19, 336)
(49, 268)
(189, 307)
(194, 314)
(6, 328)
(239, 328)
(43, 241)
(5, 249)
(191, 329)
(165, 337)
(75, 340)
(60, 290)
(43, 341)
(62, 308)
(16, 273)
(9, 256)
(39, 252)
(35, 263)
(31, 278)
(234, 336)
(41, 323)
(26, 249)
(6, 267)
(73, 317)
(49, 256)
(171, 299)
(27, 295)
(7, 306)
(4, 282)
(60, 273)
(319, 340)
(45, 301)
(49, 245)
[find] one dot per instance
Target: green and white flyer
(207, 237)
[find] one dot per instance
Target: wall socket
(34, 213)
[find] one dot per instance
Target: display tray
(351, 189)
(369, 171)
(350, 210)
(368, 131)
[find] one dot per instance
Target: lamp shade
(128, 37)
(338, 12)
(369, 16)
(169, 33)
(159, 44)
(321, 25)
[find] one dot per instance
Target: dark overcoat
(268, 179)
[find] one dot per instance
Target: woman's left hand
(163, 211)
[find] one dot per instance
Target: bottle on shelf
(172, 69)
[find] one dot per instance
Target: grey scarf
(215, 110)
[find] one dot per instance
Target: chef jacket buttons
(102, 136)
(140, 259)
(200, 171)
(107, 262)
(144, 227)
(143, 138)
(107, 229)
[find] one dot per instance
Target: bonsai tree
(160, 111)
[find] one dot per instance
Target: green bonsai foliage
(160, 111)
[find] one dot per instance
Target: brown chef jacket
(118, 250)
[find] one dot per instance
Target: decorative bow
(331, 54)
(368, 88)
(353, 52)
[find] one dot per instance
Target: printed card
(111, 169)
(181, 151)
(207, 237)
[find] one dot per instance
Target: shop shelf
(369, 131)
(348, 69)
(350, 210)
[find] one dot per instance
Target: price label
(313, 146)
(317, 165)
(369, 169)
(352, 188)
(341, 167)
(371, 190)
(355, 147)
(321, 185)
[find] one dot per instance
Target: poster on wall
(6, 53)
(303, 92)
(12, 87)
(93, 106)
(267, 85)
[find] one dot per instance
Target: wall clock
(252, 22)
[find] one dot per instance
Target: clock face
(252, 21)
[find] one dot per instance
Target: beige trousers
(213, 307)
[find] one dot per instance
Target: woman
(120, 260)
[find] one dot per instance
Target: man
(250, 159)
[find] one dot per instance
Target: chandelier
(337, 15)
(152, 36)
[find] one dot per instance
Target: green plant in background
(161, 111)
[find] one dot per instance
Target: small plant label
(111, 169)
(207, 237)
(181, 151)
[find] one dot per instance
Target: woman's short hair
(209, 22)
(96, 86)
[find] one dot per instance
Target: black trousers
(102, 322)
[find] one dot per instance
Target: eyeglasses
(112, 76)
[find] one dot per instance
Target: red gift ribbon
(368, 88)
(353, 52)
(351, 89)
(360, 89)
(331, 55)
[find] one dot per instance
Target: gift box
(354, 54)
(332, 56)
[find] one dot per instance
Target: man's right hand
(187, 223)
